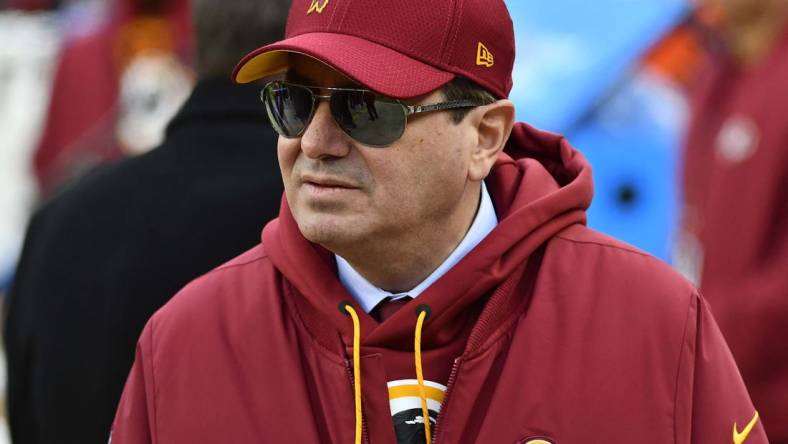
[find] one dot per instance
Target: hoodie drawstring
(423, 314)
(347, 309)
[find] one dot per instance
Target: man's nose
(323, 138)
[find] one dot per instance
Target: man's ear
(493, 124)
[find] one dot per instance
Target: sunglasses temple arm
(454, 104)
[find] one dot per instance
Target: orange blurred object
(678, 56)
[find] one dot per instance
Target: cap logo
(484, 57)
(316, 6)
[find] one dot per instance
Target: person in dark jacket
(104, 254)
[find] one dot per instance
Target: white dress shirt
(368, 295)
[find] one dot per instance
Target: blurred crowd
(130, 165)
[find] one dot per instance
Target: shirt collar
(368, 295)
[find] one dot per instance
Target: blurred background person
(734, 233)
(105, 252)
(128, 66)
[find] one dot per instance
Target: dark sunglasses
(367, 118)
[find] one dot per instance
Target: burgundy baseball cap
(398, 48)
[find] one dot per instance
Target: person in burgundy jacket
(734, 238)
(430, 277)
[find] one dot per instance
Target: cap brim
(369, 64)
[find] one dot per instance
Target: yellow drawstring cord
(423, 314)
(356, 367)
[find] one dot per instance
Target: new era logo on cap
(484, 57)
(317, 6)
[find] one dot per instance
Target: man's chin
(332, 232)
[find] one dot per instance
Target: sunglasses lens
(289, 108)
(367, 120)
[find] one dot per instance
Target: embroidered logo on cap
(484, 57)
(316, 6)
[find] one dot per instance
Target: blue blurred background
(579, 73)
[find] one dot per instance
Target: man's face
(343, 194)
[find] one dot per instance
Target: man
(735, 224)
(429, 278)
(105, 254)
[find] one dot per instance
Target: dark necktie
(386, 308)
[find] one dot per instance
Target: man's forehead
(310, 71)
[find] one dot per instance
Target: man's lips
(323, 186)
(328, 182)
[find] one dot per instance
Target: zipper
(455, 368)
(364, 434)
